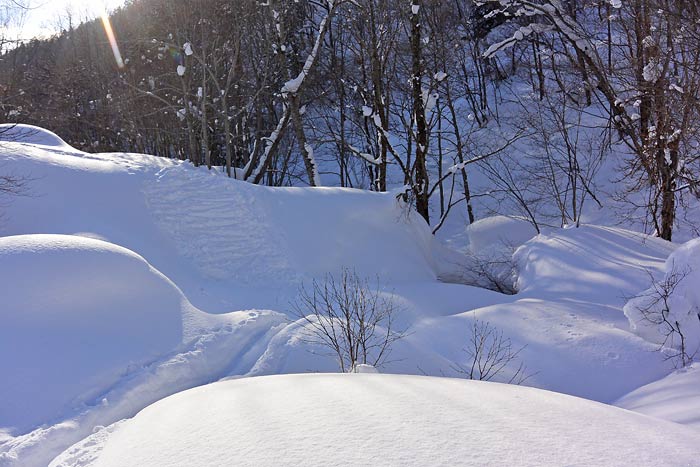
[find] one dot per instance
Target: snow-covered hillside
(127, 278)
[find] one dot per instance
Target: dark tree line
(532, 96)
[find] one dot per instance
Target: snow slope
(675, 397)
(365, 419)
(76, 313)
(568, 316)
(227, 245)
(92, 333)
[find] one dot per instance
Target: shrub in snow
(491, 356)
(668, 313)
(350, 317)
(492, 243)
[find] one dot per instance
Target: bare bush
(494, 270)
(350, 317)
(490, 354)
(654, 307)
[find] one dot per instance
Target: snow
(652, 71)
(497, 231)
(30, 134)
(604, 264)
(163, 240)
(238, 246)
(653, 319)
(359, 419)
(675, 398)
(76, 313)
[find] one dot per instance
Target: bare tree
(349, 316)
(489, 355)
(650, 94)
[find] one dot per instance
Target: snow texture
(228, 245)
(675, 398)
(76, 313)
(321, 420)
(30, 134)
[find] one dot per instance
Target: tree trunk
(420, 183)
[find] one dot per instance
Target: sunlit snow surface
(179, 242)
(321, 420)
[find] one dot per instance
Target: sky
(46, 17)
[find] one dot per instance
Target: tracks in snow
(220, 225)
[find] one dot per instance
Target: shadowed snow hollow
(76, 313)
(322, 420)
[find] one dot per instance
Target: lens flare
(112, 40)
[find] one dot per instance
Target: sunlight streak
(112, 39)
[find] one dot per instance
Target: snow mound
(227, 244)
(381, 420)
(491, 244)
(675, 398)
(21, 133)
(252, 234)
(671, 304)
(589, 262)
(76, 314)
(498, 232)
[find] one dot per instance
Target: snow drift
(227, 244)
(31, 134)
(366, 419)
(671, 307)
(76, 314)
(675, 398)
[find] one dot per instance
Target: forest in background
(534, 97)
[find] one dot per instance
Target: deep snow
(184, 239)
(670, 309)
(675, 397)
(359, 419)
(76, 313)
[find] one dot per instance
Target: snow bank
(227, 244)
(76, 314)
(381, 420)
(498, 232)
(284, 235)
(601, 264)
(656, 319)
(675, 398)
(491, 244)
(30, 134)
